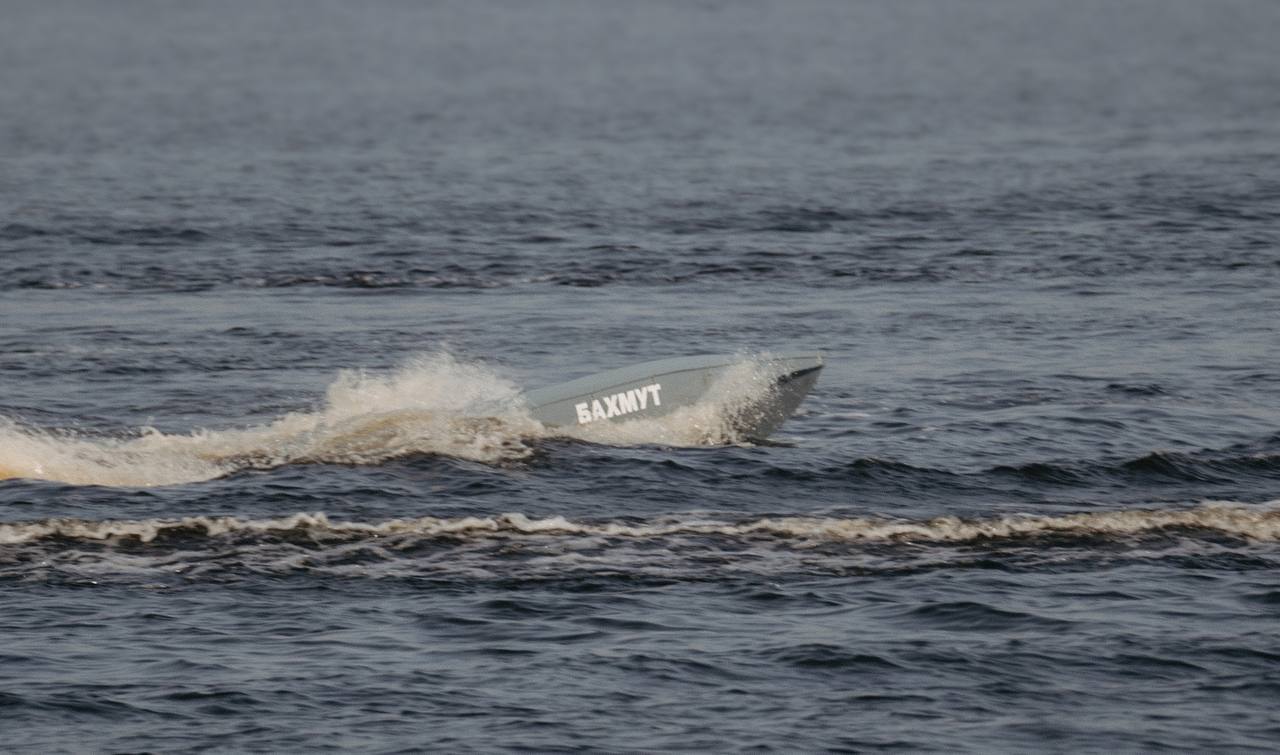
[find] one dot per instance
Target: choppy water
(272, 278)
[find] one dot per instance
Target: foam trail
(1253, 522)
(432, 405)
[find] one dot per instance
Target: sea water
(273, 277)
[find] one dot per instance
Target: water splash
(740, 388)
(435, 404)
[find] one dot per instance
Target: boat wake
(434, 405)
(1260, 522)
(680, 546)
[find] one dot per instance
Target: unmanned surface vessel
(760, 393)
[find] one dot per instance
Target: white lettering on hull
(619, 404)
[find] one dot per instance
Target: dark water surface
(272, 276)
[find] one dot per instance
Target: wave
(1257, 460)
(1260, 523)
(555, 549)
(434, 405)
(1157, 467)
(898, 258)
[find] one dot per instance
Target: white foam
(1252, 522)
(434, 404)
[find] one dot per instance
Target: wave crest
(1257, 523)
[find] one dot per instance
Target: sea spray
(740, 388)
(434, 404)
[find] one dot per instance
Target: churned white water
(433, 404)
(1253, 522)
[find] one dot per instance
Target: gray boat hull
(766, 391)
